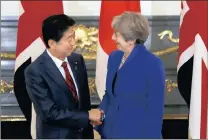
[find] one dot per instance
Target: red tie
(70, 81)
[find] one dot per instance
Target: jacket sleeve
(49, 111)
(105, 101)
(102, 106)
(88, 131)
(86, 85)
(156, 94)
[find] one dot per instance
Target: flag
(193, 65)
(109, 9)
(29, 46)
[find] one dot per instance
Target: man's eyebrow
(70, 35)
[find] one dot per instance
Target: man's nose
(73, 42)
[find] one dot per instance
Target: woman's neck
(128, 51)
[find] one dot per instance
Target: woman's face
(120, 41)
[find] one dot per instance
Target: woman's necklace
(123, 60)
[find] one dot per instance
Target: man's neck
(56, 55)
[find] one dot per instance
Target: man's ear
(51, 43)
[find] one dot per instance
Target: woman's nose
(113, 37)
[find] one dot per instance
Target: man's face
(66, 44)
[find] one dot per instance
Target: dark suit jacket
(134, 105)
(58, 115)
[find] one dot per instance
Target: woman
(134, 100)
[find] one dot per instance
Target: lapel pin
(75, 62)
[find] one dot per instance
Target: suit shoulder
(154, 63)
(76, 56)
(34, 65)
(151, 61)
(31, 68)
(152, 58)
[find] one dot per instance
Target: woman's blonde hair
(132, 26)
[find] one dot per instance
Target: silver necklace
(123, 60)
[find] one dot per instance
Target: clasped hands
(96, 116)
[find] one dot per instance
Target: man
(58, 87)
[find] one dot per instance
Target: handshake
(96, 117)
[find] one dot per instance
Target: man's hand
(95, 116)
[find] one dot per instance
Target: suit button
(80, 130)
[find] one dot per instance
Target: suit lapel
(137, 51)
(54, 73)
(74, 67)
(114, 70)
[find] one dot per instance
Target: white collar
(57, 61)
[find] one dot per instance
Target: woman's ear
(131, 42)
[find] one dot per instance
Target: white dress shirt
(58, 63)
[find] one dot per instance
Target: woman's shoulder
(114, 57)
(116, 53)
(152, 59)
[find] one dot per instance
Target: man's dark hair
(54, 26)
